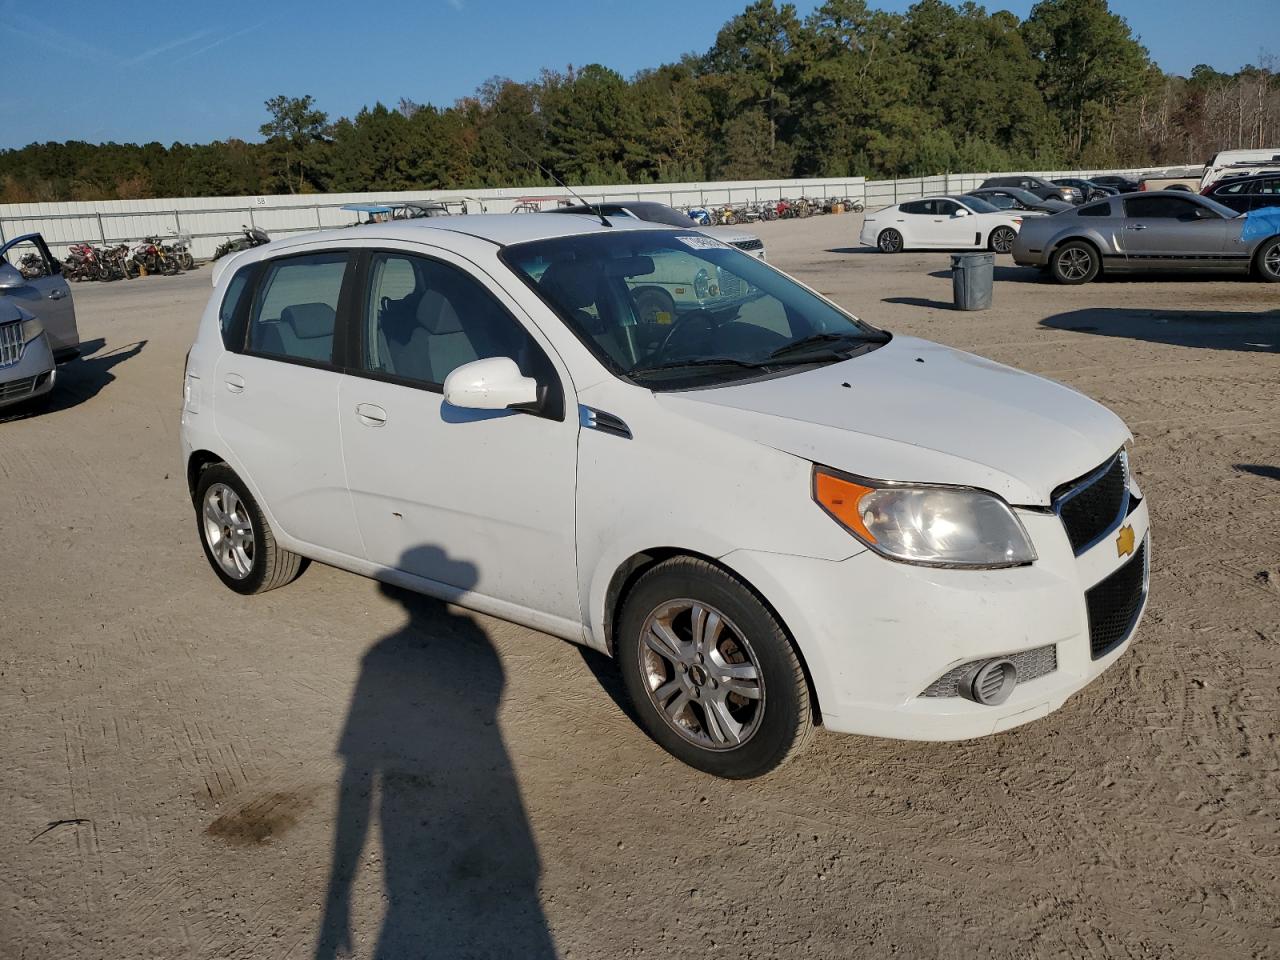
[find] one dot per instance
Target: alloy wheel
(1002, 240)
(890, 241)
(1271, 261)
(228, 531)
(1074, 264)
(701, 674)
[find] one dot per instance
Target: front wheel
(1074, 263)
(1001, 239)
(889, 241)
(1267, 261)
(711, 672)
(237, 540)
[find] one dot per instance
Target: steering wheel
(685, 326)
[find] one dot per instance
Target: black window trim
(245, 311)
(552, 406)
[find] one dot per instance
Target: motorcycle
(180, 250)
(84, 262)
(699, 215)
(31, 266)
(119, 263)
(251, 237)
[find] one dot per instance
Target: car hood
(728, 234)
(920, 412)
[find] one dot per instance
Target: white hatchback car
(941, 223)
(771, 513)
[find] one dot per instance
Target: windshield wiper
(696, 362)
(806, 344)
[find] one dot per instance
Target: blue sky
(201, 71)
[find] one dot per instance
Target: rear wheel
(889, 241)
(1267, 261)
(1001, 239)
(712, 673)
(1074, 263)
(237, 540)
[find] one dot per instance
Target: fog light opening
(992, 682)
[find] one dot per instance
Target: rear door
(276, 399)
(1266, 193)
(1162, 231)
(45, 294)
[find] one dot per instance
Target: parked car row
(1166, 231)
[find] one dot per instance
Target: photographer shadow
(424, 755)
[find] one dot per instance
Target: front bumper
(875, 634)
(32, 376)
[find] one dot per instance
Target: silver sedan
(1161, 230)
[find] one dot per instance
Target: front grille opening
(1030, 664)
(1093, 504)
(1114, 604)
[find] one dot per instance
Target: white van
(773, 514)
(1226, 162)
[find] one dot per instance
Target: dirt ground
(188, 773)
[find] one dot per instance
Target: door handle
(371, 415)
(1136, 226)
(57, 294)
(234, 382)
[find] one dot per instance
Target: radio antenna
(599, 208)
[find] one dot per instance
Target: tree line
(847, 91)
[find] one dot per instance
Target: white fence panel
(210, 220)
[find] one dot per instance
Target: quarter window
(296, 307)
(230, 307)
(1269, 187)
(1095, 210)
(423, 319)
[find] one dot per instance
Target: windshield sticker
(702, 243)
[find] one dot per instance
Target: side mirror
(962, 212)
(495, 383)
(10, 277)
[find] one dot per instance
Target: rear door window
(295, 311)
(916, 206)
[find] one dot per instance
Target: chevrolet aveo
(771, 513)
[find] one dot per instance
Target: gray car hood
(917, 411)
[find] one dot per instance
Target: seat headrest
(570, 283)
(310, 320)
(436, 313)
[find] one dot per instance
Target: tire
(1001, 240)
(265, 565)
(1074, 262)
(754, 733)
(889, 241)
(1266, 262)
(651, 301)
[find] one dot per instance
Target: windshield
(976, 204)
(676, 309)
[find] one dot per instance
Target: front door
(276, 400)
(477, 500)
(1164, 231)
(951, 227)
(45, 294)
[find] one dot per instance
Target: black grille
(1114, 604)
(1093, 504)
(752, 244)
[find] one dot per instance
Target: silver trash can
(971, 279)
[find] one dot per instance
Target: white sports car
(940, 223)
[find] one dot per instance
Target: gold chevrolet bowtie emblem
(1124, 541)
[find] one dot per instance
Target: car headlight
(702, 284)
(31, 329)
(926, 525)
